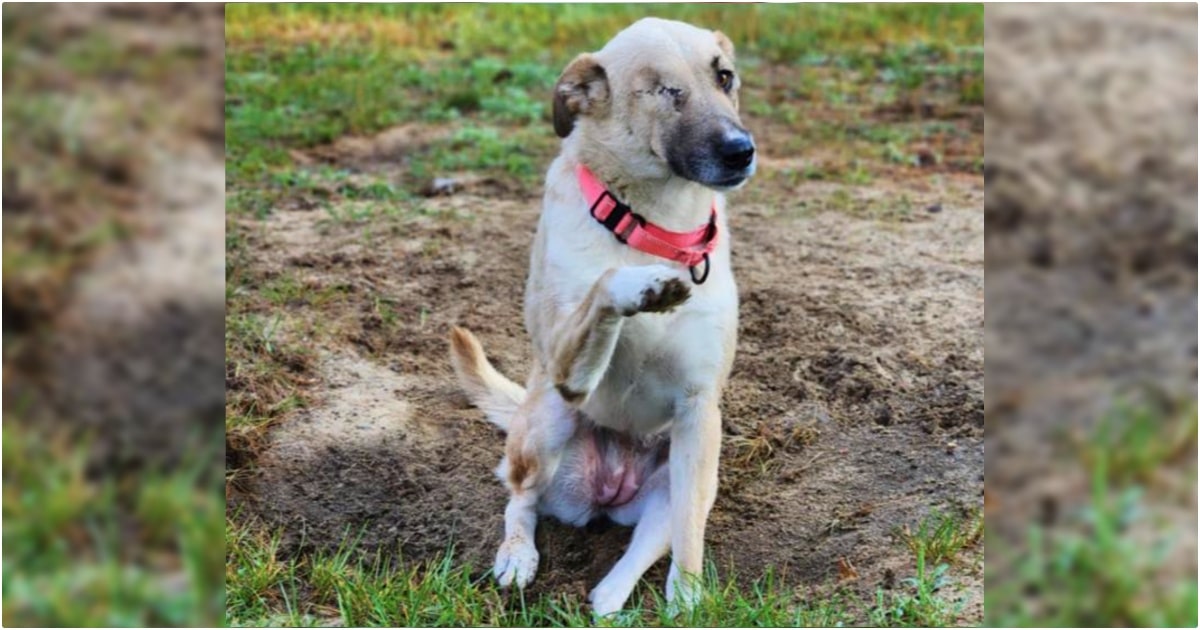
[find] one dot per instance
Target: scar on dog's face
(662, 96)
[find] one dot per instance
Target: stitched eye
(725, 79)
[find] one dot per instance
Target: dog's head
(661, 98)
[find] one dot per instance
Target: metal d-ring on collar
(702, 278)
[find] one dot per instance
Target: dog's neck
(671, 202)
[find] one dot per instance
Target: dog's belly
(600, 470)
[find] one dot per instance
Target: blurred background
(113, 295)
(1091, 330)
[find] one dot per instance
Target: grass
(941, 536)
(348, 586)
(1130, 444)
(86, 550)
(756, 451)
(922, 607)
(299, 76)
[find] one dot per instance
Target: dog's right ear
(582, 89)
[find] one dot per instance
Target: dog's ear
(582, 89)
(724, 44)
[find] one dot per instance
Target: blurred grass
(83, 549)
(1108, 565)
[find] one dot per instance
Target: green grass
(346, 586)
(923, 606)
(298, 76)
(941, 536)
(86, 550)
(1133, 442)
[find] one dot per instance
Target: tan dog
(620, 414)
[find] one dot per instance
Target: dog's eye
(725, 79)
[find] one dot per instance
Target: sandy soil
(855, 405)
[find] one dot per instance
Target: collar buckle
(614, 216)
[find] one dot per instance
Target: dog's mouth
(733, 182)
(717, 178)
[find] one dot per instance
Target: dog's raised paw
(516, 563)
(663, 299)
(648, 289)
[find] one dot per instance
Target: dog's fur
(620, 414)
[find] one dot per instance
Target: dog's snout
(736, 151)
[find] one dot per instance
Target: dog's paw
(648, 289)
(683, 592)
(607, 598)
(516, 562)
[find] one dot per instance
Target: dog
(632, 309)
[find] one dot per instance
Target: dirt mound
(392, 145)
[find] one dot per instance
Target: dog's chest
(659, 360)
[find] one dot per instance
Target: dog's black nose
(737, 151)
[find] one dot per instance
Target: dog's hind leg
(540, 428)
(651, 540)
(584, 341)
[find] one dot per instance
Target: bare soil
(855, 405)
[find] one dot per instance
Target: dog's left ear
(582, 89)
(724, 44)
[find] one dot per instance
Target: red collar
(688, 248)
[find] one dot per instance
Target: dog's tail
(487, 389)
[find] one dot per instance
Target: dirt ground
(1091, 248)
(855, 405)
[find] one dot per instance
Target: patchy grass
(1108, 567)
(345, 586)
(922, 604)
(940, 536)
(299, 76)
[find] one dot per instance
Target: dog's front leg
(695, 451)
(584, 341)
(651, 512)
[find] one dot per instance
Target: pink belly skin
(617, 487)
(616, 468)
